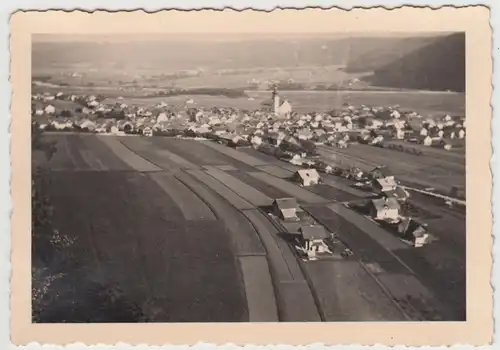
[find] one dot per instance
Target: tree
(66, 114)
(308, 146)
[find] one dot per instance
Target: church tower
(276, 100)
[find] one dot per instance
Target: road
(177, 223)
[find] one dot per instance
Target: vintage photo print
(235, 177)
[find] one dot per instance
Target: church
(279, 108)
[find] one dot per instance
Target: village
(278, 131)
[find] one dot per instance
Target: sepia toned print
(189, 180)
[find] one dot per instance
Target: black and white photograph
(248, 178)
(243, 178)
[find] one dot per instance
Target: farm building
(385, 184)
(307, 177)
(413, 231)
(286, 209)
(312, 240)
(386, 209)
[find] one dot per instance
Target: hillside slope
(439, 65)
(386, 52)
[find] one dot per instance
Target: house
(162, 117)
(307, 177)
(414, 231)
(304, 134)
(381, 172)
(50, 109)
(400, 134)
(385, 184)
(39, 112)
(427, 141)
(296, 160)
(87, 124)
(286, 209)
(399, 193)
(386, 209)
(312, 240)
(256, 140)
(147, 131)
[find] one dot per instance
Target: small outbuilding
(414, 231)
(286, 209)
(307, 177)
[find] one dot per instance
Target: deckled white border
(7, 7)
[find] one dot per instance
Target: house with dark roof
(312, 240)
(381, 172)
(286, 209)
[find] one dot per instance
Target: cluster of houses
(277, 130)
(385, 207)
(275, 120)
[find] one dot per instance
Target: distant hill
(386, 51)
(439, 65)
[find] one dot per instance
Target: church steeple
(276, 99)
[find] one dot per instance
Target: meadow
(426, 103)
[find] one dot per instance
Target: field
(425, 103)
(177, 226)
(435, 169)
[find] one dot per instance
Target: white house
(461, 134)
(147, 131)
(385, 184)
(50, 109)
(395, 114)
(307, 177)
(386, 209)
(312, 239)
(162, 117)
(427, 141)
